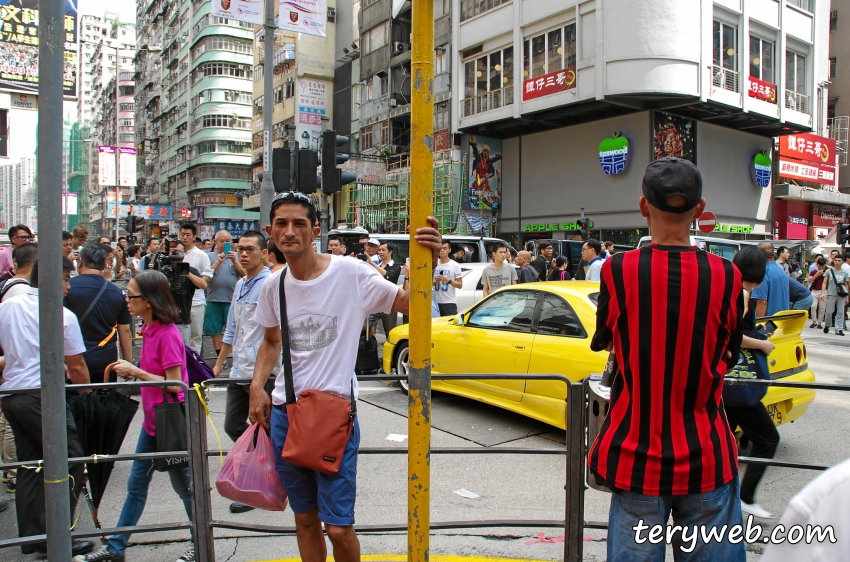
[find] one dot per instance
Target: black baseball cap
(669, 177)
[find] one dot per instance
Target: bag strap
(94, 302)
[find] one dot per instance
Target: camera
(170, 266)
(362, 257)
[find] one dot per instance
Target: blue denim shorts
(332, 494)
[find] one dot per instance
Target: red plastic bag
(249, 474)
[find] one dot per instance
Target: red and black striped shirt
(672, 313)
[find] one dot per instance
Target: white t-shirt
(325, 317)
(594, 270)
(446, 293)
(201, 261)
(822, 502)
(16, 288)
(20, 340)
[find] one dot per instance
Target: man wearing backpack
(25, 256)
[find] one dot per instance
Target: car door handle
(519, 346)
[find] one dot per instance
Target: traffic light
(308, 161)
(134, 223)
(584, 228)
(332, 177)
(843, 236)
(280, 169)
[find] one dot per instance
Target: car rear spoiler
(788, 323)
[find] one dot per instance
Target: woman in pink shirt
(163, 357)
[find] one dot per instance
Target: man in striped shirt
(673, 316)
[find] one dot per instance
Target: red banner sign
(762, 90)
(808, 147)
(551, 83)
(441, 139)
(809, 172)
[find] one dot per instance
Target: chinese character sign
(807, 172)
(127, 165)
(808, 147)
(762, 90)
(149, 211)
(485, 175)
(551, 83)
(19, 21)
(237, 228)
(249, 11)
(106, 165)
(312, 105)
(304, 16)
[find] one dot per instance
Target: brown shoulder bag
(320, 423)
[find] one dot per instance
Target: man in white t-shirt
(500, 273)
(19, 338)
(327, 300)
(198, 259)
(591, 252)
(447, 280)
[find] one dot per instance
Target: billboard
(127, 165)
(673, 136)
(105, 165)
(19, 54)
(249, 11)
(809, 148)
(304, 16)
(152, 211)
(485, 175)
(312, 105)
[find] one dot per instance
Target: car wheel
(402, 365)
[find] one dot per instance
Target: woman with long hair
(559, 270)
(120, 272)
(163, 357)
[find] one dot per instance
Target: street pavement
(508, 486)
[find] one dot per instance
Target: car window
(508, 310)
(557, 318)
(727, 251)
(594, 298)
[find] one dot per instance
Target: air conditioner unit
(399, 47)
(393, 102)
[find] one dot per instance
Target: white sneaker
(188, 556)
(753, 509)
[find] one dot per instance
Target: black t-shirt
(541, 266)
(393, 272)
(101, 324)
(182, 289)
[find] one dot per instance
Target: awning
(810, 195)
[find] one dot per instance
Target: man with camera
(183, 283)
(199, 260)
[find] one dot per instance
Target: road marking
(403, 558)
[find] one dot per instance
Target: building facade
(17, 193)
(193, 112)
(572, 100)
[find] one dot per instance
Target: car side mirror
(459, 320)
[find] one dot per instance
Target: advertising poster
(127, 163)
(106, 165)
(152, 211)
(304, 16)
(312, 105)
(249, 11)
(19, 52)
(485, 174)
(673, 136)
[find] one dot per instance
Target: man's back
(672, 313)
(773, 289)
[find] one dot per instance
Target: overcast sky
(126, 8)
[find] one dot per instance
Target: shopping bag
(170, 432)
(249, 474)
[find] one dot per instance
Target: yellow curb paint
(403, 558)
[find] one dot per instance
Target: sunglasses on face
(295, 196)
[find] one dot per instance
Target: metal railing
(488, 101)
(725, 78)
(798, 102)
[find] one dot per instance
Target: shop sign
(807, 172)
(441, 140)
(237, 228)
(762, 90)
(552, 83)
(808, 147)
(613, 153)
(554, 227)
(231, 200)
(734, 228)
(150, 211)
(826, 215)
(251, 201)
(762, 168)
(798, 220)
(200, 213)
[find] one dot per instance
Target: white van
(717, 246)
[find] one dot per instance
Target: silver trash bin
(598, 404)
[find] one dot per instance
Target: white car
(472, 290)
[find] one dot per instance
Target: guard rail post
(200, 473)
(574, 504)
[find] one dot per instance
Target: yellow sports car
(546, 328)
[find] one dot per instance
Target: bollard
(574, 505)
(200, 474)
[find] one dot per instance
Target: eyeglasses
(24, 237)
(131, 297)
(248, 251)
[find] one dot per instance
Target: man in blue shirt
(772, 295)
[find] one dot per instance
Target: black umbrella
(103, 418)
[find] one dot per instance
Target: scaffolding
(837, 127)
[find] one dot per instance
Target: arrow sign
(706, 222)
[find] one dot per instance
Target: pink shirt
(162, 347)
(6, 263)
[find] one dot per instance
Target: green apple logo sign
(762, 168)
(613, 153)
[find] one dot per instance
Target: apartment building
(193, 112)
(17, 192)
(576, 98)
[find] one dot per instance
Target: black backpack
(8, 283)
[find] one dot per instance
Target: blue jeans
(137, 492)
(804, 304)
(692, 512)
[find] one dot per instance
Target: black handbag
(170, 433)
(840, 289)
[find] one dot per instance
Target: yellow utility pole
(421, 284)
